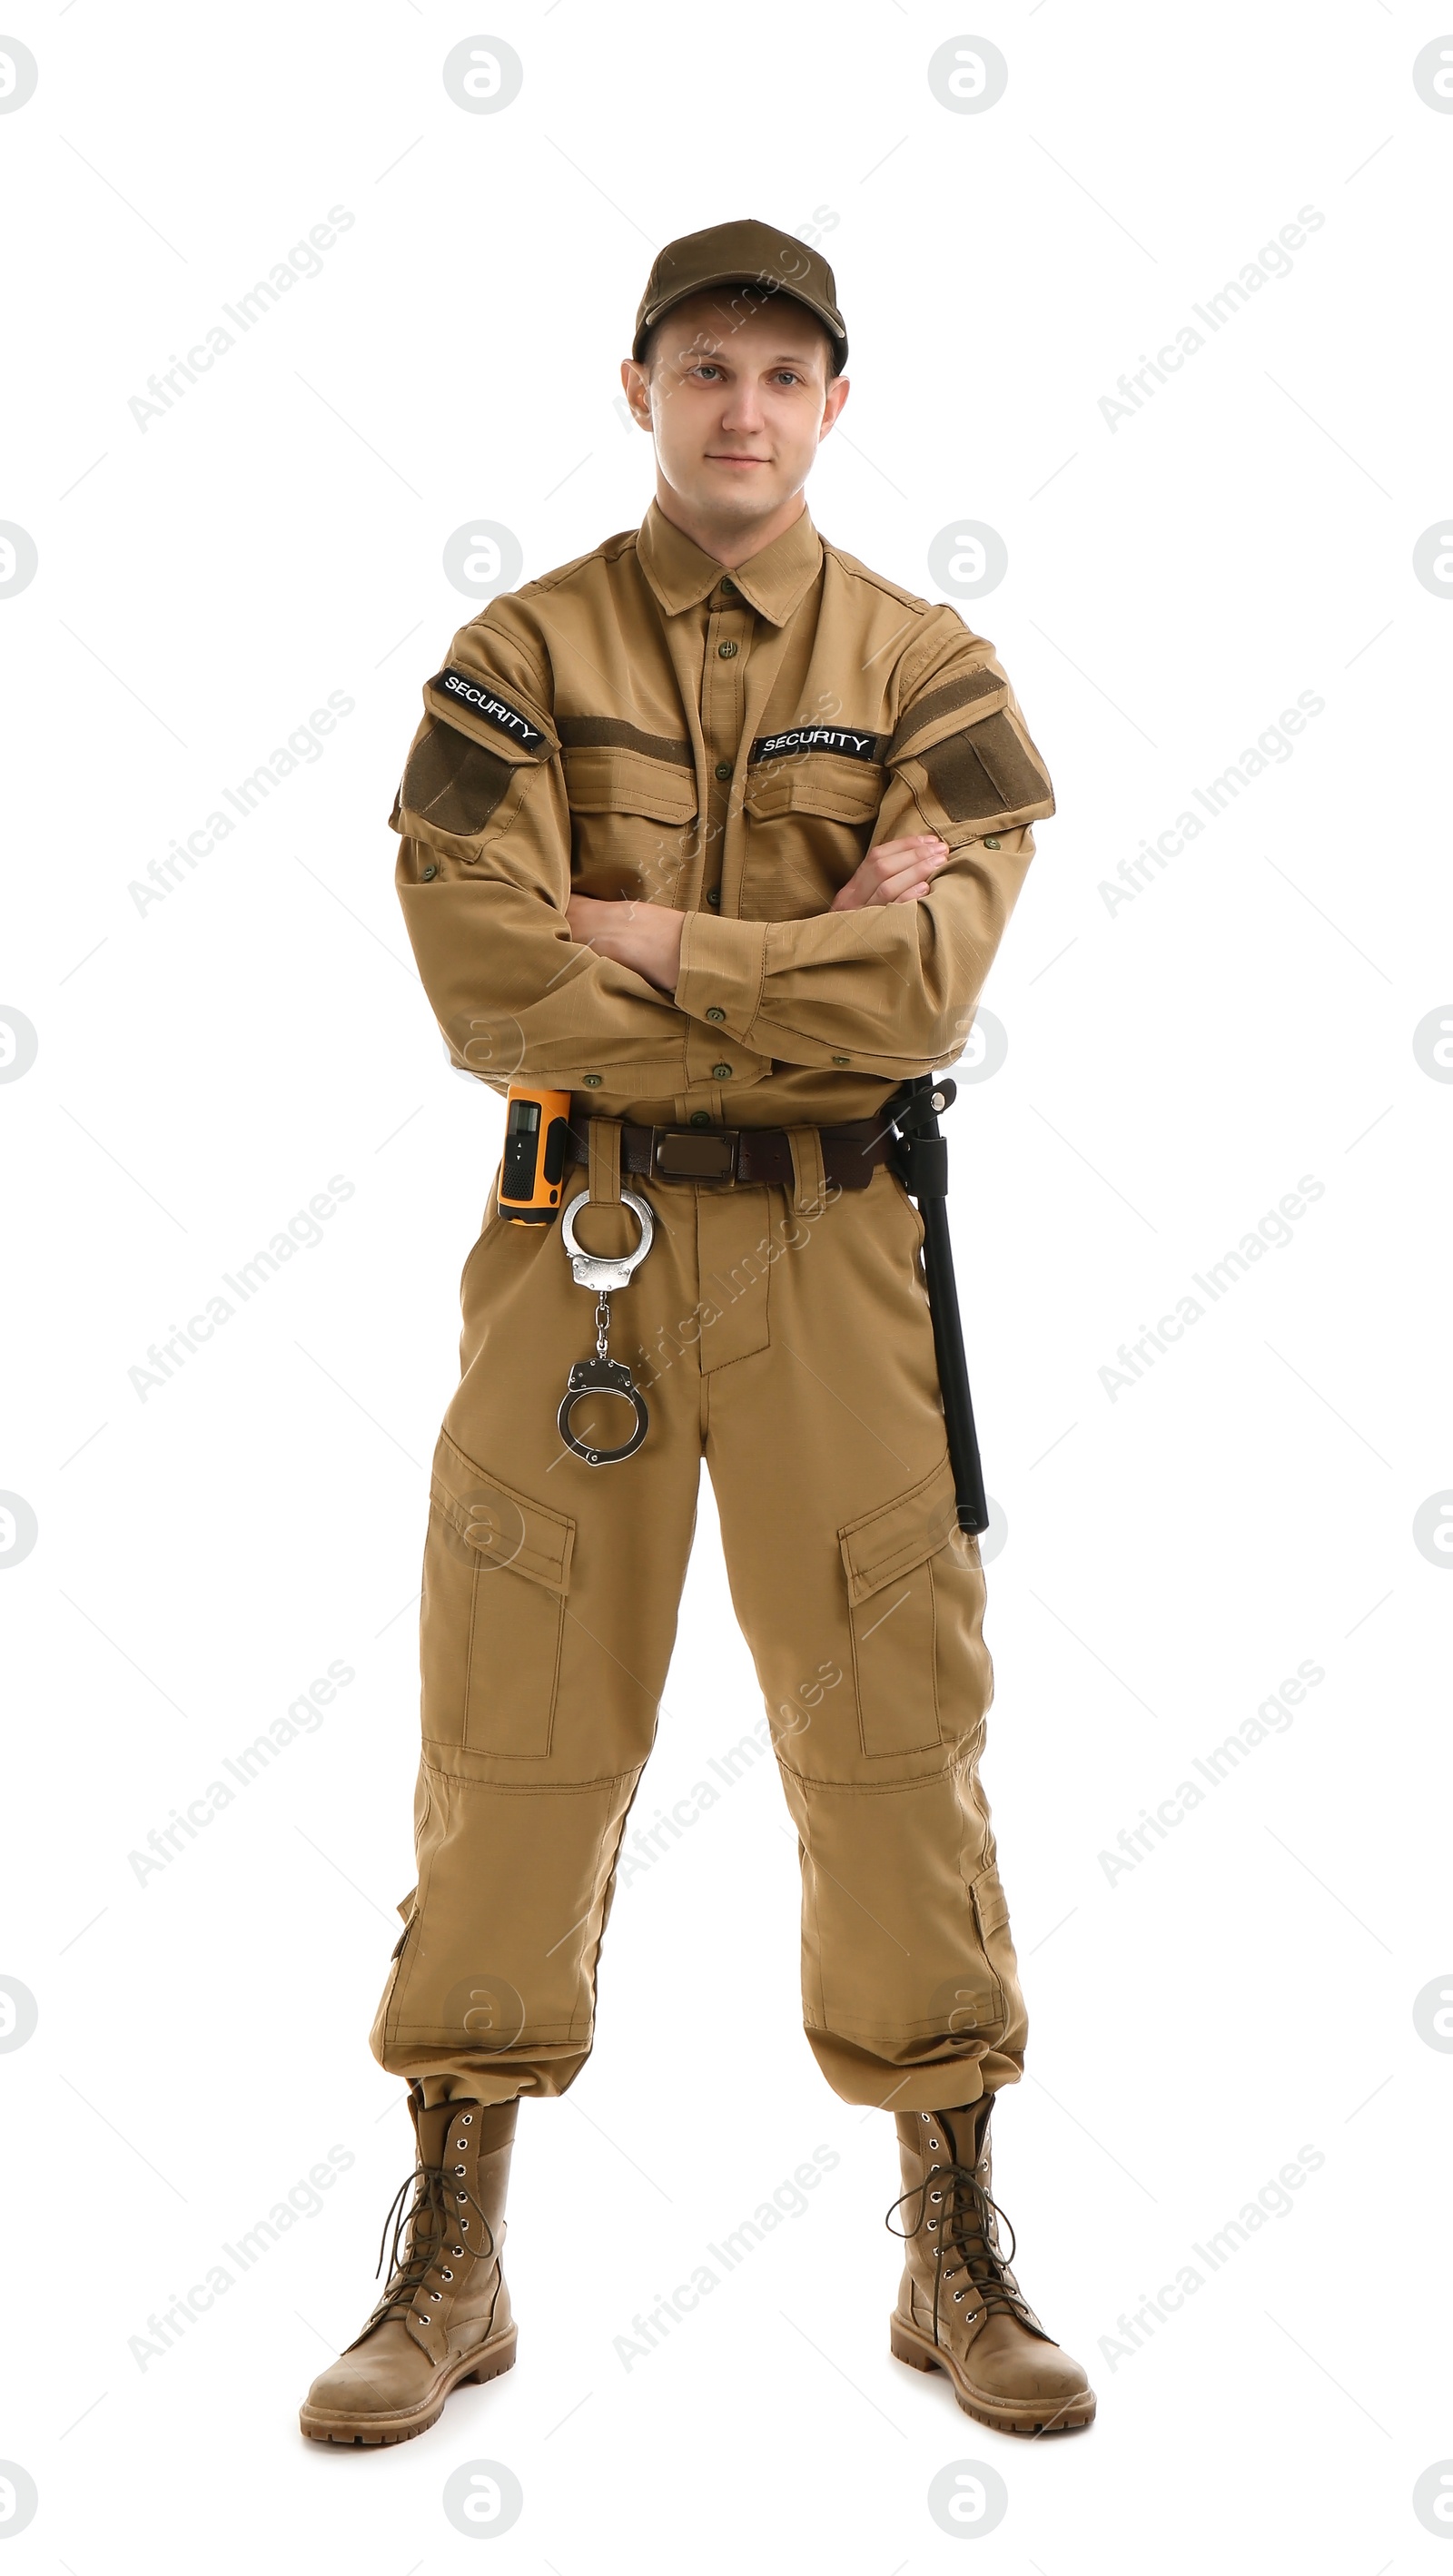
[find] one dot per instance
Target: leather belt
(750, 1156)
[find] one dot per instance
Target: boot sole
(374, 2432)
(907, 2344)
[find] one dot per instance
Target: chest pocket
(633, 807)
(809, 826)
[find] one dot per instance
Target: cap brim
(740, 277)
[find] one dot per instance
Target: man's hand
(644, 936)
(894, 872)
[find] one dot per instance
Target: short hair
(755, 296)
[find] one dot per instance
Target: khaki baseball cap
(741, 254)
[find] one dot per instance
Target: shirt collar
(773, 582)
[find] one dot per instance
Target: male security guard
(717, 832)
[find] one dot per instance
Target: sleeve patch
(986, 770)
(465, 689)
(983, 689)
(453, 783)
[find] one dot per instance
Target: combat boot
(960, 2309)
(444, 2315)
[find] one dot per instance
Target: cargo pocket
(809, 827)
(888, 1559)
(632, 811)
(496, 1572)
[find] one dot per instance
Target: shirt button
(842, 1059)
(728, 584)
(723, 769)
(992, 845)
(701, 1118)
(727, 651)
(592, 1081)
(715, 896)
(721, 1073)
(715, 1014)
(429, 871)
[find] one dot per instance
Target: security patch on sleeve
(845, 741)
(482, 700)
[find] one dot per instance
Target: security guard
(714, 831)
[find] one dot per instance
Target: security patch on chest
(482, 701)
(844, 740)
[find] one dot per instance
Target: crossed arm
(647, 936)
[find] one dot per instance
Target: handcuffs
(602, 1375)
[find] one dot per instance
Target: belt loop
(809, 1173)
(605, 1162)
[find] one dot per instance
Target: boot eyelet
(933, 2222)
(467, 2119)
(459, 2196)
(444, 2272)
(456, 2249)
(935, 2195)
(459, 2169)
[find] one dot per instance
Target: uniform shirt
(644, 723)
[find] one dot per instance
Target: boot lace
(966, 2239)
(421, 2229)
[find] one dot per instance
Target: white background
(1175, 1066)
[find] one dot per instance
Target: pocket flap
(819, 782)
(499, 1526)
(991, 1905)
(601, 779)
(891, 1541)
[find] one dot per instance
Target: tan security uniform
(642, 723)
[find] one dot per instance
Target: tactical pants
(784, 1334)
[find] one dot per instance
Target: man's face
(737, 401)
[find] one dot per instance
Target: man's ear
(637, 392)
(837, 394)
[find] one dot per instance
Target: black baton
(920, 1159)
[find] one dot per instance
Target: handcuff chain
(602, 1325)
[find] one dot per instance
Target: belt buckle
(694, 1153)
